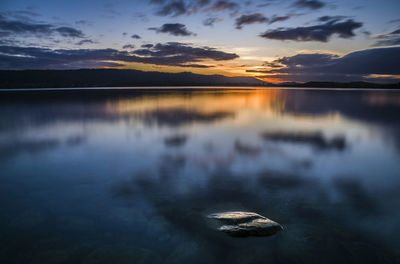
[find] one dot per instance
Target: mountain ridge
(133, 78)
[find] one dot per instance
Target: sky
(273, 40)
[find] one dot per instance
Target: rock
(245, 224)
(257, 227)
(235, 217)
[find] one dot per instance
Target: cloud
(128, 46)
(70, 32)
(310, 4)
(147, 46)
(173, 29)
(85, 41)
(135, 36)
(250, 19)
(276, 18)
(26, 28)
(223, 5)
(209, 22)
(195, 53)
(176, 8)
(391, 39)
(169, 54)
(21, 15)
(321, 33)
(355, 66)
(331, 18)
(173, 8)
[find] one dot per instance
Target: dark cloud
(85, 41)
(186, 7)
(321, 33)
(147, 46)
(18, 27)
(327, 67)
(185, 51)
(250, 19)
(209, 22)
(173, 8)
(23, 28)
(276, 18)
(128, 46)
(70, 32)
(331, 18)
(391, 39)
(311, 4)
(135, 36)
(172, 54)
(223, 5)
(173, 29)
(273, 64)
(396, 32)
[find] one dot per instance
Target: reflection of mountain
(353, 104)
(174, 108)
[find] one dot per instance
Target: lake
(129, 176)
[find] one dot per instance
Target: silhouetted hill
(114, 78)
(344, 85)
(132, 78)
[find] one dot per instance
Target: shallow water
(129, 176)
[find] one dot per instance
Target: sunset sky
(274, 40)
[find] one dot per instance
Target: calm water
(129, 176)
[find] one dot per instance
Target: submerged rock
(244, 224)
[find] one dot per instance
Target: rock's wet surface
(245, 224)
(235, 217)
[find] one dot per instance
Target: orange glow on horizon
(231, 70)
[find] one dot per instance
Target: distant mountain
(344, 85)
(132, 78)
(115, 78)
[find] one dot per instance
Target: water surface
(128, 176)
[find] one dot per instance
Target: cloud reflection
(314, 139)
